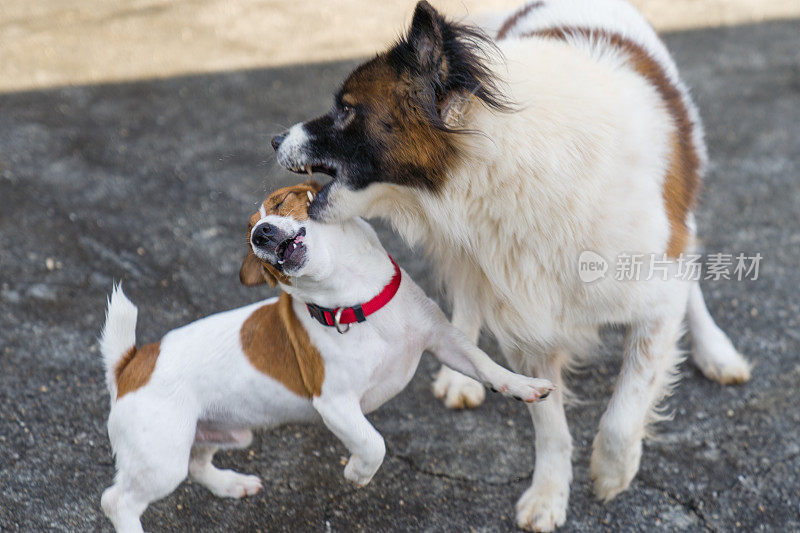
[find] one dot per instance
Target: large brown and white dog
(506, 158)
(206, 384)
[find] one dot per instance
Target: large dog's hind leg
(648, 369)
(543, 506)
(712, 351)
(456, 390)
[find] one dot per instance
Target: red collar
(357, 313)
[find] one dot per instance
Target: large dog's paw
(457, 390)
(522, 388)
(543, 508)
(722, 363)
(735, 374)
(613, 466)
(715, 356)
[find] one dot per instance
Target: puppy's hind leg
(712, 351)
(456, 390)
(222, 483)
(123, 508)
(151, 462)
(648, 369)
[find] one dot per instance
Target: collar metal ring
(336, 318)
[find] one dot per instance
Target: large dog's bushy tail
(119, 334)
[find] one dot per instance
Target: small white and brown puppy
(345, 336)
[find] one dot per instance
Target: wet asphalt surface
(152, 183)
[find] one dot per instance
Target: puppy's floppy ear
(426, 38)
(254, 273)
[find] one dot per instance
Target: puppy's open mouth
(311, 168)
(292, 249)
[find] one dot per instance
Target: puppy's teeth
(308, 169)
(310, 196)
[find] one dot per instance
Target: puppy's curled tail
(119, 334)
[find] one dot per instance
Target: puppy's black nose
(277, 140)
(264, 234)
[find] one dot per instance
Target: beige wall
(47, 43)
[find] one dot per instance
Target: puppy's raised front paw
(522, 388)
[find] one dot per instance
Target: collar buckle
(336, 322)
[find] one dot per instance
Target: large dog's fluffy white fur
(579, 165)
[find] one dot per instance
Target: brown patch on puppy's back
(133, 371)
(277, 344)
(682, 178)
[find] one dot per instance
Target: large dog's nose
(277, 140)
(264, 234)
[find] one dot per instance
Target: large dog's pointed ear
(426, 38)
(253, 272)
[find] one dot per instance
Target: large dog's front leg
(343, 416)
(456, 390)
(543, 507)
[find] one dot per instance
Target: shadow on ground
(152, 183)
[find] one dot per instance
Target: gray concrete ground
(152, 183)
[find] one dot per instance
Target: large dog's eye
(344, 113)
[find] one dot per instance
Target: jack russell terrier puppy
(344, 336)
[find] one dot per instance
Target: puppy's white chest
(373, 360)
(394, 371)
